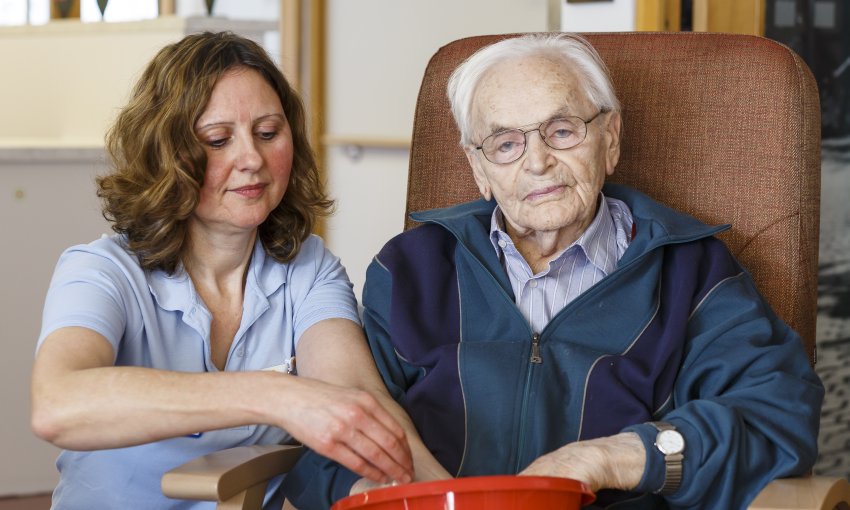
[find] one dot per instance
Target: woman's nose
(248, 157)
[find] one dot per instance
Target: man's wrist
(613, 462)
(626, 460)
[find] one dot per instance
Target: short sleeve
(87, 291)
(320, 287)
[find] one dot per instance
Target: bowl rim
(469, 484)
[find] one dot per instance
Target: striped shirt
(581, 265)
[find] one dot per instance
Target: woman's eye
(267, 135)
(217, 142)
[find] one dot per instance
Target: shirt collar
(598, 242)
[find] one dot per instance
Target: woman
(167, 340)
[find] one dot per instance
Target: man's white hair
(571, 49)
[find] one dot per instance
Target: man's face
(545, 189)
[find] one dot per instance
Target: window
(37, 12)
(119, 10)
(13, 12)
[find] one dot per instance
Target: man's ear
(613, 130)
(478, 172)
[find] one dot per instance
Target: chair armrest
(804, 493)
(221, 475)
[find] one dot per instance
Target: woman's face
(249, 151)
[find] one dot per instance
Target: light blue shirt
(156, 320)
(581, 265)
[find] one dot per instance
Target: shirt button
(502, 243)
(533, 284)
(240, 352)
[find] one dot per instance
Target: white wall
(42, 212)
(377, 53)
(83, 74)
(71, 94)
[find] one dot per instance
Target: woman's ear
(478, 172)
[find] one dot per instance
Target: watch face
(670, 442)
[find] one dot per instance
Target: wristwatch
(671, 444)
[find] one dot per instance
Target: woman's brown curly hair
(159, 162)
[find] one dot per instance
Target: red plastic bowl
(473, 493)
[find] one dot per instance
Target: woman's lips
(252, 191)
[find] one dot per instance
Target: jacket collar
(656, 224)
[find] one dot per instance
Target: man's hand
(615, 462)
(364, 484)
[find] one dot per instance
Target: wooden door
(733, 16)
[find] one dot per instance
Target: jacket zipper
(534, 360)
(535, 349)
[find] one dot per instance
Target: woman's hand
(336, 351)
(351, 427)
(615, 462)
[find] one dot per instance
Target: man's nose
(538, 154)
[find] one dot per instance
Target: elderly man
(569, 328)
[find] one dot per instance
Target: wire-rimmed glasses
(507, 146)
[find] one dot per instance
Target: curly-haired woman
(155, 341)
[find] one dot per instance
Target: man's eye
(561, 133)
(507, 146)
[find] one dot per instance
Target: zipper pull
(535, 349)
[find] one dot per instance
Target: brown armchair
(724, 127)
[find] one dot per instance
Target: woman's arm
(80, 401)
(336, 351)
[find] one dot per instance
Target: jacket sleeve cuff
(316, 482)
(345, 480)
(654, 470)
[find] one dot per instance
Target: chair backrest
(723, 127)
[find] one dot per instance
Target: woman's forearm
(80, 401)
(110, 407)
